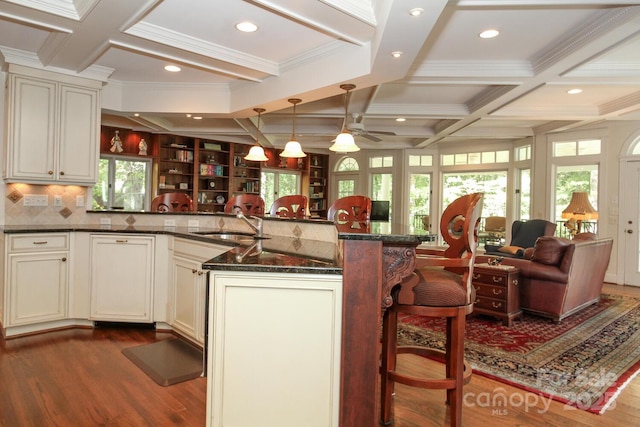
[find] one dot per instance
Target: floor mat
(168, 361)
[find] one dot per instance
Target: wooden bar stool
(248, 204)
(439, 287)
(293, 206)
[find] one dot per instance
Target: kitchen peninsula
(336, 289)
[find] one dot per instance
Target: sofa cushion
(549, 250)
(513, 250)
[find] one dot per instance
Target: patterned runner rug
(584, 361)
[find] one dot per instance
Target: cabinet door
(189, 284)
(187, 275)
(38, 287)
(122, 278)
(260, 323)
(79, 135)
(32, 129)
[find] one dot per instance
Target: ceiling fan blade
(370, 137)
(381, 132)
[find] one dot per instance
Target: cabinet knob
(64, 259)
(497, 279)
(194, 271)
(200, 273)
(61, 173)
(50, 172)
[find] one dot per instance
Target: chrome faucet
(257, 227)
(254, 249)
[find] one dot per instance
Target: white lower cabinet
(189, 284)
(122, 275)
(37, 279)
(274, 349)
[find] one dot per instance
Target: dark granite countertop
(277, 253)
(271, 254)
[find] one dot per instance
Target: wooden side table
(497, 292)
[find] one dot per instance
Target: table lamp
(579, 209)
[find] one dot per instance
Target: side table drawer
(497, 279)
(498, 292)
(491, 304)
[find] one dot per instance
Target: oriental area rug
(584, 361)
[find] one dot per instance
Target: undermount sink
(234, 237)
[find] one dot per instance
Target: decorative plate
(220, 199)
(212, 184)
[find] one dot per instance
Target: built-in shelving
(175, 164)
(213, 175)
(317, 185)
(211, 171)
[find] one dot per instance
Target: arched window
(348, 164)
(636, 147)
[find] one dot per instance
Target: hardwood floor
(79, 377)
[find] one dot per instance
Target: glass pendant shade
(344, 143)
(256, 154)
(293, 149)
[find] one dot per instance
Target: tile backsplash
(68, 212)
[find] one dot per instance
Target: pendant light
(256, 153)
(344, 142)
(293, 147)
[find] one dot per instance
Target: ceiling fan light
(256, 154)
(293, 149)
(345, 143)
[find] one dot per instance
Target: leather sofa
(559, 277)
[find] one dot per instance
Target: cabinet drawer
(497, 292)
(491, 304)
(38, 242)
(489, 278)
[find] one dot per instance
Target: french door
(630, 223)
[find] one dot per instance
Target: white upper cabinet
(53, 128)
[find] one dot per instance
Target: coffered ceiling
(450, 85)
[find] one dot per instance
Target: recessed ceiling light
(396, 54)
(188, 115)
(401, 119)
(246, 27)
(197, 118)
(172, 68)
(489, 34)
(574, 91)
(416, 11)
(136, 115)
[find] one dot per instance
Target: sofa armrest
(538, 271)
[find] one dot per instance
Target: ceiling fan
(357, 129)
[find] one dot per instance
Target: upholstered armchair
(523, 235)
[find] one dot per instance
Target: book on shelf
(183, 156)
(211, 170)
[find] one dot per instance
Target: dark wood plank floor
(79, 377)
